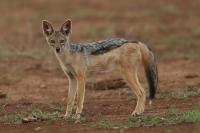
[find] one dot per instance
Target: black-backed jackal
(120, 54)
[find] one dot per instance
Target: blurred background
(171, 28)
(29, 72)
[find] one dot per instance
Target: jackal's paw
(67, 116)
(137, 113)
(77, 118)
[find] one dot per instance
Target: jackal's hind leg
(130, 75)
(141, 97)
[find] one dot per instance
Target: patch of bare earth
(31, 78)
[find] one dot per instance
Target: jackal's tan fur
(124, 59)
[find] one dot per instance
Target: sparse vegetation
(11, 119)
(108, 125)
(38, 115)
(43, 116)
(180, 94)
(172, 118)
(171, 28)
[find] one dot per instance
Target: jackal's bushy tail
(150, 66)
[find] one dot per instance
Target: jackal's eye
(52, 45)
(62, 41)
(52, 41)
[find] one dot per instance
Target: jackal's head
(57, 39)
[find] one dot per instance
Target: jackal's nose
(57, 50)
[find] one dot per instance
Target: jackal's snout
(57, 49)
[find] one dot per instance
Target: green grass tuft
(173, 117)
(42, 116)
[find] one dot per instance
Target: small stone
(38, 128)
(29, 119)
(43, 86)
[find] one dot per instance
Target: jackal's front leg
(71, 95)
(80, 95)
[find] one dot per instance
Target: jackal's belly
(102, 63)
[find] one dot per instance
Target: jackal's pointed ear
(47, 28)
(66, 27)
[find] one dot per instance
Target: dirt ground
(30, 75)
